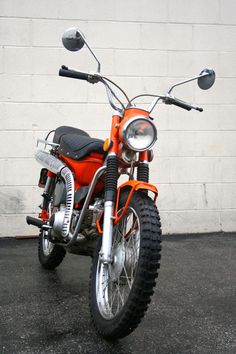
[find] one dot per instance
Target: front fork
(105, 253)
(109, 206)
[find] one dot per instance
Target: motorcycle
(86, 210)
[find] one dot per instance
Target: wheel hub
(117, 265)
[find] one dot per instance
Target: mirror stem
(185, 81)
(93, 54)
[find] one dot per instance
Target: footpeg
(35, 222)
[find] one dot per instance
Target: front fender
(133, 186)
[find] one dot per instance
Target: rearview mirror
(73, 39)
(206, 79)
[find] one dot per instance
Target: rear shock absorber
(49, 187)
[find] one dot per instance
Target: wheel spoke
(127, 277)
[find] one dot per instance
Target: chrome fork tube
(105, 253)
(110, 198)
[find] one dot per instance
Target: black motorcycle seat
(64, 129)
(78, 146)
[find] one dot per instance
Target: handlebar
(65, 71)
(94, 78)
(177, 102)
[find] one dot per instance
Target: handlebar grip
(64, 71)
(179, 103)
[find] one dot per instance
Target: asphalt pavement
(193, 309)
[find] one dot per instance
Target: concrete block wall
(145, 46)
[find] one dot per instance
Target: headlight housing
(138, 133)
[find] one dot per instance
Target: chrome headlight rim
(126, 125)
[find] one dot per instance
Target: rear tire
(50, 255)
(120, 292)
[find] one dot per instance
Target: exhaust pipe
(56, 166)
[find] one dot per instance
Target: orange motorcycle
(87, 211)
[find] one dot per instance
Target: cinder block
(160, 170)
(44, 116)
(140, 63)
(16, 144)
(51, 59)
(228, 196)
(227, 64)
(214, 117)
(132, 10)
(191, 11)
(15, 31)
(57, 89)
(28, 8)
(15, 88)
(186, 170)
(107, 34)
(165, 222)
(188, 196)
(217, 143)
(1, 60)
(23, 64)
(227, 12)
(19, 200)
(220, 93)
(195, 169)
(86, 10)
(166, 36)
(194, 221)
(19, 172)
(228, 220)
(194, 143)
(3, 229)
(189, 64)
(228, 169)
(15, 225)
(213, 37)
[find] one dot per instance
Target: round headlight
(139, 133)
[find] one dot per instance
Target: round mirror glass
(73, 39)
(207, 79)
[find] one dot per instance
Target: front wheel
(121, 291)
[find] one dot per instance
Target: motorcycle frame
(112, 197)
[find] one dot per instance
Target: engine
(88, 226)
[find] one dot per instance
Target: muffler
(56, 166)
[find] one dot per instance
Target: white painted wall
(145, 45)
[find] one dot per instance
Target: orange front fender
(133, 185)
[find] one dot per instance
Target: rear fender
(132, 186)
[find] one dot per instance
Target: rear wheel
(121, 291)
(50, 255)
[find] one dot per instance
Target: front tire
(120, 292)
(50, 255)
